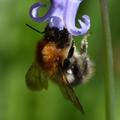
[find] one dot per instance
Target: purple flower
(62, 14)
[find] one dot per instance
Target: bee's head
(61, 37)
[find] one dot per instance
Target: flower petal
(85, 26)
(34, 12)
(62, 13)
(56, 21)
(70, 15)
(86, 19)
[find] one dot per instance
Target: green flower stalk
(109, 82)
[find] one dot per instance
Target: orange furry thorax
(49, 56)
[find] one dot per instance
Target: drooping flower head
(62, 14)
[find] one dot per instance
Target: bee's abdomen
(78, 72)
(73, 73)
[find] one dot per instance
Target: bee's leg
(84, 45)
(86, 62)
(67, 61)
(71, 51)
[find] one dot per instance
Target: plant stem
(109, 77)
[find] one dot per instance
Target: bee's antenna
(34, 29)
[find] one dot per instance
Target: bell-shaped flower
(62, 14)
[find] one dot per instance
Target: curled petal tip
(34, 12)
(86, 19)
(71, 10)
(84, 26)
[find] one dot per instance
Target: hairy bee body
(49, 55)
(57, 59)
(51, 51)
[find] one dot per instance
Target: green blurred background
(17, 47)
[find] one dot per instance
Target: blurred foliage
(17, 46)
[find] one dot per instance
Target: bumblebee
(57, 59)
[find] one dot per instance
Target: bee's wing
(68, 91)
(35, 78)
